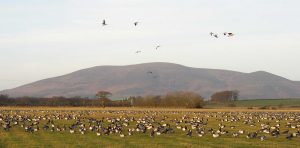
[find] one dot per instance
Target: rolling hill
(159, 78)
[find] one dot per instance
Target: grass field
(258, 103)
(17, 137)
(270, 102)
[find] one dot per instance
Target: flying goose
(136, 23)
(157, 47)
(104, 23)
(230, 34)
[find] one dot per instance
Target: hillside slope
(159, 78)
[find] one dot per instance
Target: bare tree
(103, 97)
(225, 96)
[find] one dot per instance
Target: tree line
(177, 99)
(182, 99)
(57, 101)
(225, 96)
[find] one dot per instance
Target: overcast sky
(46, 38)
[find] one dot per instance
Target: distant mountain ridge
(159, 78)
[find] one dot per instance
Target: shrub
(231, 105)
(273, 108)
(264, 107)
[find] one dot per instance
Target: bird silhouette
(230, 34)
(104, 23)
(225, 33)
(138, 51)
(211, 33)
(216, 35)
(157, 47)
(135, 23)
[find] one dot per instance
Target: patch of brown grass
(228, 109)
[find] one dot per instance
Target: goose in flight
(211, 33)
(157, 47)
(230, 34)
(135, 23)
(138, 51)
(104, 23)
(216, 35)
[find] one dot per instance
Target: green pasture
(18, 138)
(258, 103)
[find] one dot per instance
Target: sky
(47, 38)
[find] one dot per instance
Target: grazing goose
(290, 136)
(262, 138)
(189, 133)
(122, 135)
(252, 135)
(200, 135)
(235, 134)
(98, 133)
(215, 135)
(241, 132)
(152, 133)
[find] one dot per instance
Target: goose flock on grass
(251, 125)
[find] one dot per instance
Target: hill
(159, 78)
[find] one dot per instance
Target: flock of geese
(135, 24)
(228, 34)
(251, 125)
